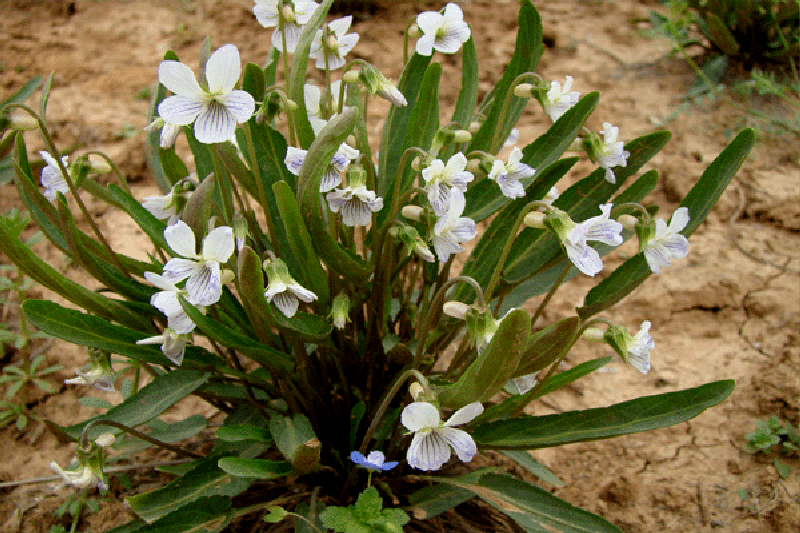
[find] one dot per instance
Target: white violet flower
(167, 302)
(356, 204)
(611, 153)
(522, 384)
(452, 229)
(96, 376)
(83, 478)
(667, 243)
(332, 178)
(559, 100)
(329, 52)
(513, 137)
(441, 180)
(443, 32)
(312, 95)
(173, 345)
(639, 347)
(508, 175)
(283, 290)
(169, 132)
(215, 111)
(204, 283)
(295, 15)
(600, 228)
(52, 179)
(430, 447)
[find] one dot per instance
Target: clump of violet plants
(318, 290)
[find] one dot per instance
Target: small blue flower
(373, 461)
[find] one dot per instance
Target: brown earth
(731, 310)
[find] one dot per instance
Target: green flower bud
(340, 312)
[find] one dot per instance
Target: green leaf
(548, 345)
(206, 515)
(162, 162)
(782, 468)
(309, 271)
(552, 513)
(526, 461)
(487, 375)
(255, 468)
(394, 129)
(273, 359)
(291, 433)
(641, 414)
(468, 95)
(90, 331)
(45, 98)
(699, 201)
(150, 401)
(432, 501)
(297, 74)
(254, 81)
(239, 432)
(526, 56)
(206, 479)
(422, 125)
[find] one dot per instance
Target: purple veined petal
(428, 451)
(464, 229)
(347, 43)
(446, 245)
(180, 238)
(585, 258)
(606, 231)
(287, 303)
(677, 245)
(330, 180)
(449, 43)
(656, 257)
(417, 416)
(180, 110)
(169, 133)
(240, 104)
(439, 197)
(180, 323)
(468, 413)
(497, 171)
(204, 286)
(356, 213)
(610, 176)
(333, 62)
(179, 269)
(429, 22)
(511, 188)
(219, 244)
(223, 69)
(425, 45)
(179, 79)
(336, 199)
(214, 124)
(295, 157)
(461, 442)
(459, 180)
(292, 32)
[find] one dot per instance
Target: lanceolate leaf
(204, 480)
(487, 375)
(254, 468)
(205, 515)
(153, 399)
(512, 496)
(633, 416)
(699, 201)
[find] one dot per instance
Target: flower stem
(84, 440)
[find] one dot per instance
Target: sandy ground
(731, 310)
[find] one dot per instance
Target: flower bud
(474, 166)
(226, 276)
(628, 222)
(351, 76)
(474, 127)
(105, 440)
(524, 90)
(156, 125)
(594, 335)
(412, 212)
(416, 164)
(414, 32)
(240, 230)
(340, 311)
(462, 136)
(23, 122)
(416, 391)
(456, 310)
(376, 83)
(534, 219)
(287, 14)
(351, 140)
(290, 105)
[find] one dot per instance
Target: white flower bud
(474, 127)
(23, 122)
(594, 335)
(462, 136)
(416, 390)
(628, 221)
(456, 309)
(534, 219)
(412, 212)
(523, 90)
(105, 440)
(351, 76)
(474, 166)
(414, 32)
